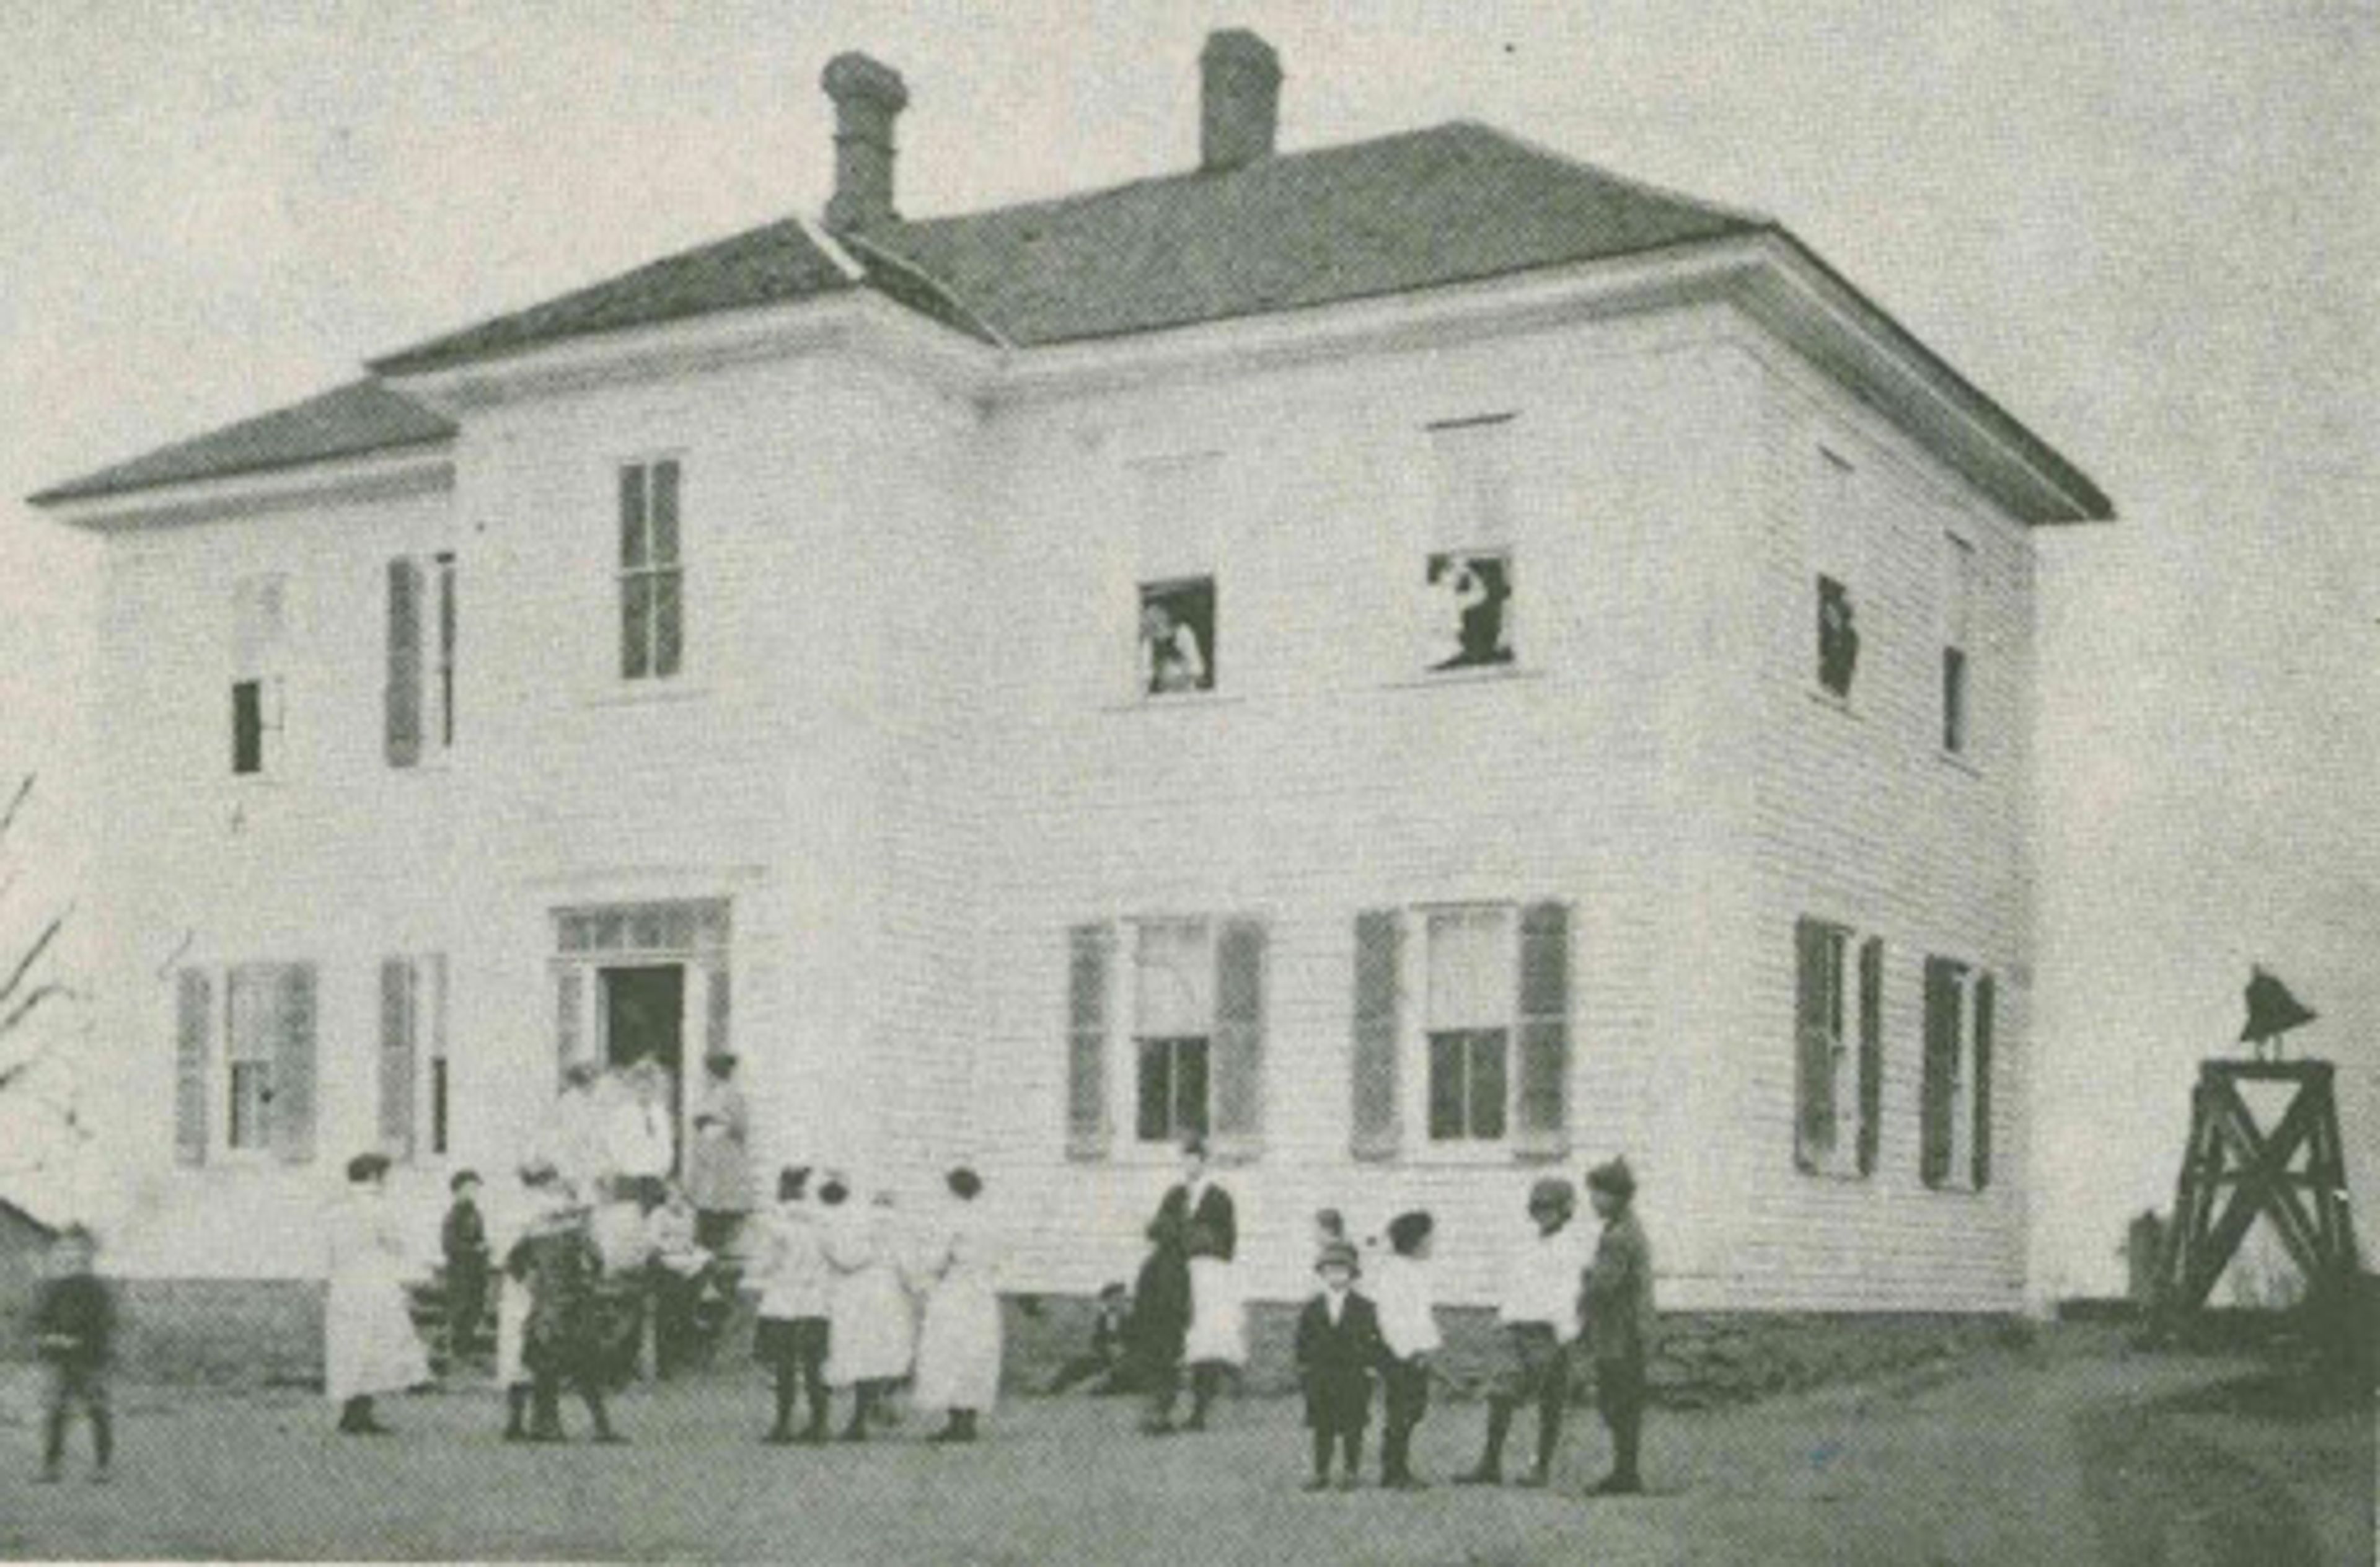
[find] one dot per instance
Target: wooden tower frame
(2227, 1148)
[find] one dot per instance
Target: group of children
(846, 1303)
(1554, 1294)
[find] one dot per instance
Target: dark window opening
(1177, 636)
(248, 727)
(1839, 639)
(446, 629)
(1466, 1085)
(1469, 603)
(1172, 1088)
(1954, 700)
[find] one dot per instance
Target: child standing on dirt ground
(1619, 1320)
(1337, 1345)
(1537, 1315)
(464, 1240)
(792, 1337)
(557, 1258)
(74, 1327)
(1409, 1328)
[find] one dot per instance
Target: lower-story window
(1194, 1046)
(1173, 1015)
(243, 1062)
(1955, 1147)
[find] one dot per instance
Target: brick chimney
(868, 96)
(1238, 99)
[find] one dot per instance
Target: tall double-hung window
(651, 571)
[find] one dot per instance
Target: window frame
(1970, 1095)
(1129, 1083)
(1419, 1047)
(628, 573)
(1848, 1023)
(1955, 669)
(1144, 689)
(1467, 524)
(260, 650)
(265, 979)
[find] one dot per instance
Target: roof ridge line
(1642, 186)
(950, 296)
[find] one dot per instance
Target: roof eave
(1864, 345)
(381, 472)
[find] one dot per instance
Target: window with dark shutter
(248, 727)
(193, 1045)
(569, 1008)
(1377, 1118)
(1542, 1091)
(260, 628)
(1937, 1107)
(1817, 1031)
(1175, 974)
(399, 1007)
(1871, 1052)
(1957, 640)
(1088, 951)
(293, 1066)
(1237, 1083)
(1985, 1003)
(1468, 1022)
(403, 704)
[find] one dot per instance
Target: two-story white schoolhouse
(1427, 659)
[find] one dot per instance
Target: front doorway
(644, 1019)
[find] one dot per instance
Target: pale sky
(2145, 226)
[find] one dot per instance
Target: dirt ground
(2048, 1457)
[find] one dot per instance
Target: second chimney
(1239, 103)
(868, 96)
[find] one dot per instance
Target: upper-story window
(1177, 500)
(1466, 598)
(422, 623)
(1957, 644)
(1836, 547)
(259, 651)
(653, 572)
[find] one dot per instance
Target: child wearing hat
(1337, 1345)
(74, 1331)
(1537, 1315)
(1620, 1320)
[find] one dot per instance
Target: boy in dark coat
(464, 1238)
(1338, 1348)
(559, 1262)
(1619, 1320)
(74, 1327)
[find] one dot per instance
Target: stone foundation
(271, 1331)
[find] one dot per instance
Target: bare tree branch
(16, 803)
(24, 964)
(16, 1017)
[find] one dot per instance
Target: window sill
(1485, 675)
(1834, 1174)
(1957, 762)
(1828, 699)
(648, 693)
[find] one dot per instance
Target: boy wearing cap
(74, 1329)
(1337, 1345)
(1619, 1320)
(1538, 1313)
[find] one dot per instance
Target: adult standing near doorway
(1197, 1216)
(718, 1164)
(641, 1143)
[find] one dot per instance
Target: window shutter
(1089, 950)
(398, 1010)
(1871, 1046)
(193, 1036)
(1814, 1083)
(1985, 1004)
(1543, 1078)
(404, 705)
(293, 1066)
(717, 1014)
(1236, 1073)
(1373, 1074)
(1941, 1046)
(568, 1001)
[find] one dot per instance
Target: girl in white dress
(370, 1344)
(958, 1353)
(869, 1335)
